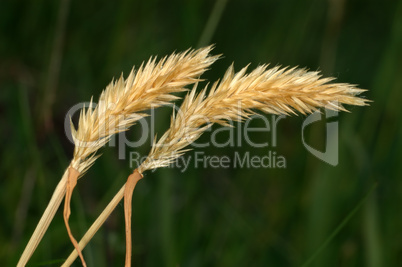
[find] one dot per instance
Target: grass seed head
(276, 90)
(121, 103)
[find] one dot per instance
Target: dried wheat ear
(236, 97)
(119, 107)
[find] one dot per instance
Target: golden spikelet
(119, 105)
(276, 90)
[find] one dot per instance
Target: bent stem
(45, 220)
(128, 195)
(71, 183)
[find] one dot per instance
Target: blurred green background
(54, 54)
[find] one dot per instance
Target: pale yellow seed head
(276, 90)
(120, 104)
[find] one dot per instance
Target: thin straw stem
(44, 222)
